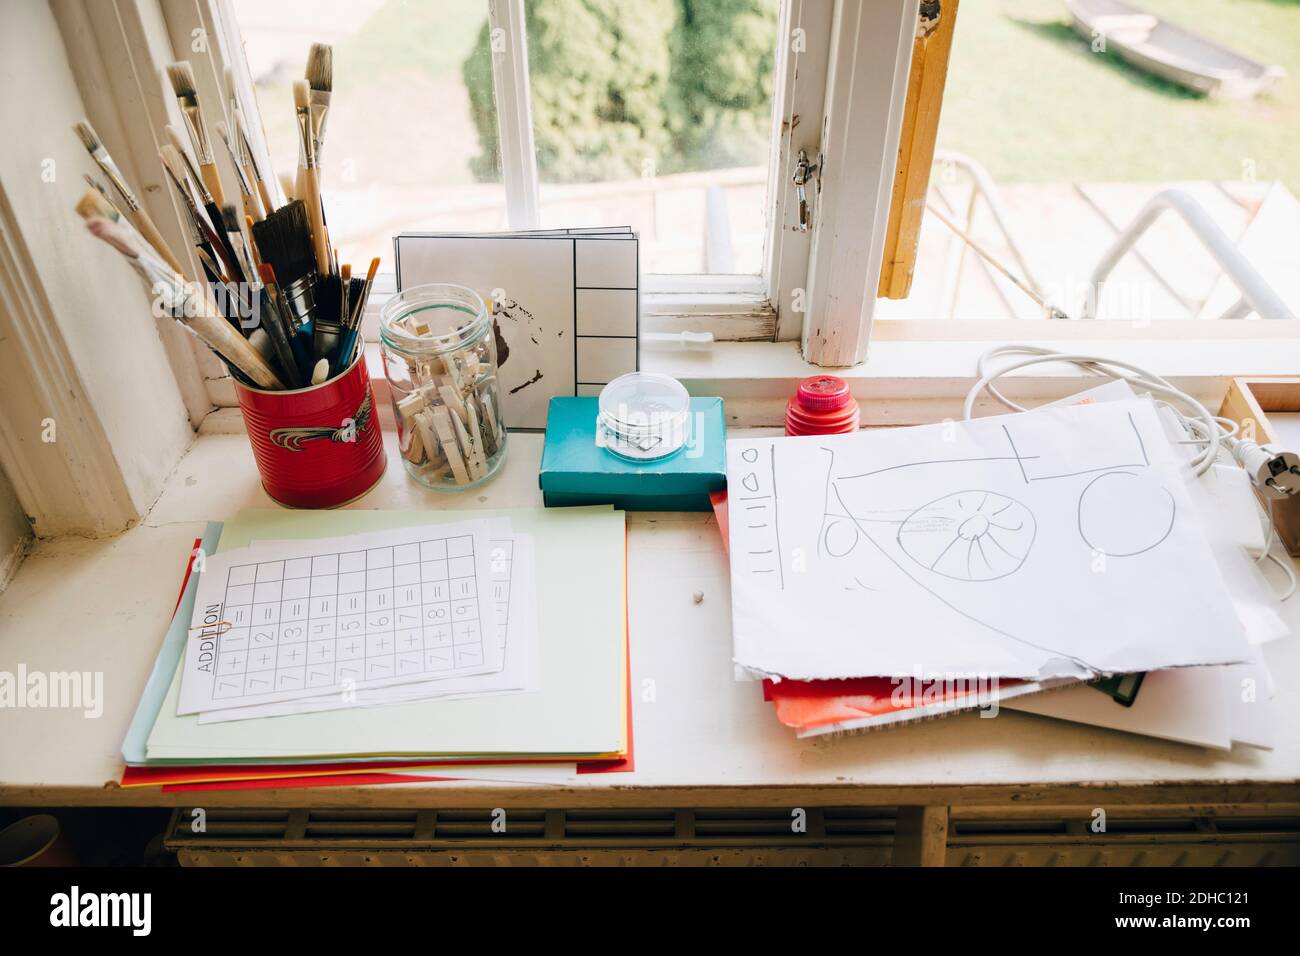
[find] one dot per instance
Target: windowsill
(122, 591)
(909, 382)
(912, 382)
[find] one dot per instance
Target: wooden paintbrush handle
(222, 338)
(252, 206)
(316, 217)
(213, 182)
(264, 191)
(140, 219)
(253, 202)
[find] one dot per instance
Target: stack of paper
(897, 574)
(397, 640)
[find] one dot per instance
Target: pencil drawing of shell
(969, 535)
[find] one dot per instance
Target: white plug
(1274, 471)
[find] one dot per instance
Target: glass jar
(440, 358)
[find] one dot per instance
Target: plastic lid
(644, 415)
(823, 393)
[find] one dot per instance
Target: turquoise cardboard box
(577, 471)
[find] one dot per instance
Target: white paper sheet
(301, 619)
(1054, 543)
(1207, 706)
(515, 604)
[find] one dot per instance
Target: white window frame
(736, 308)
(839, 96)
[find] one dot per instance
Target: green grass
(1027, 97)
(432, 36)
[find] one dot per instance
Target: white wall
(92, 296)
(14, 531)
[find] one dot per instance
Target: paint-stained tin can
(320, 446)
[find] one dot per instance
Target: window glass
(1076, 137)
(402, 151)
(658, 115)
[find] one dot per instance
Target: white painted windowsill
(82, 604)
(914, 381)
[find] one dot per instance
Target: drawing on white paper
(941, 538)
(974, 544)
(1121, 517)
(758, 513)
(969, 535)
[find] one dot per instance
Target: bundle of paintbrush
(266, 265)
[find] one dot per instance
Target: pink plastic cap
(823, 393)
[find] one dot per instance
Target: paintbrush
(358, 296)
(188, 305)
(181, 75)
(327, 330)
(264, 183)
(284, 242)
(279, 325)
(95, 205)
(320, 77)
(251, 202)
(233, 224)
(211, 207)
(308, 185)
(100, 188)
(288, 187)
(203, 232)
(345, 288)
(134, 211)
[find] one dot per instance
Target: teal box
(577, 471)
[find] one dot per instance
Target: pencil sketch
(758, 501)
(972, 536)
(966, 536)
(969, 535)
(1121, 516)
(972, 541)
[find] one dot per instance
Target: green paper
(580, 710)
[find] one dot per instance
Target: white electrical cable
(1206, 428)
(1266, 505)
(1211, 431)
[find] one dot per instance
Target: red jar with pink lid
(822, 405)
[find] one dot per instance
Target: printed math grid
(305, 625)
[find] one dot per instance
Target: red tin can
(320, 446)
(822, 405)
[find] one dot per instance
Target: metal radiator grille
(834, 836)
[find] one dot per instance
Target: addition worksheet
(305, 618)
(513, 578)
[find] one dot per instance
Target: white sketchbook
(1054, 543)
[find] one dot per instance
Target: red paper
(719, 501)
(290, 783)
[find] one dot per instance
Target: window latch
(804, 170)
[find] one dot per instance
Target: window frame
(733, 307)
(834, 94)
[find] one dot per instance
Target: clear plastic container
(440, 358)
(643, 416)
